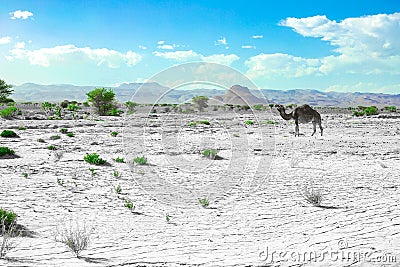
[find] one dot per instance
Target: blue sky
(326, 45)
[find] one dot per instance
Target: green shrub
(206, 122)
(8, 134)
(41, 140)
(358, 113)
(192, 124)
(210, 153)
(8, 113)
(249, 122)
(7, 217)
(258, 107)
(70, 134)
(73, 107)
(114, 112)
(21, 128)
(271, 122)
(204, 202)
(51, 147)
(371, 111)
(128, 204)
(6, 151)
(114, 134)
(118, 189)
(64, 130)
(94, 158)
(55, 137)
(120, 160)
(140, 160)
(391, 108)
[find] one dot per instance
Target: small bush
(118, 189)
(55, 137)
(140, 160)
(114, 134)
(129, 205)
(312, 196)
(8, 113)
(76, 239)
(249, 122)
(210, 153)
(8, 217)
(94, 158)
(51, 147)
(192, 124)
(70, 134)
(21, 128)
(41, 140)
(391, 108)
(271, 122)
(6, 151)
(120, 160)
(8, 134)
(358, 113)
(114, 112)
(73, 107)
(258, 107)
(206, 122)
(63, 130)
(204, 202)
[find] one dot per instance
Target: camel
(301, 114)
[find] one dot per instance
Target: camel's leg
(320, 127)
(314, 127)
(296, 130)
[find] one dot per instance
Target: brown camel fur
(302, 114)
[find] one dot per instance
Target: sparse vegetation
(118, 189)
(94, 158)
(73, 107)
(116, 174)
(51, 147)
(249, 122)
(92, 171)
(201, 102)
(60, 181)
(167, 218)
(8, 134)
(120, 160)
(114, 134)
(312, 196)
(76, 239)
(9, 112)
(390, 108)
(4, 151)
(367, 111)
(129, 205)
(63, 130)
(21, 128)
(210, 153)
(140, 160)
(204, 202)
(192, 124)
(70, 134)
(55, 137)
(41, 140)
(270, 122)
(206, 122)
(8, 230)
(25, 174)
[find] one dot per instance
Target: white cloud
(142, 47)
(160, 42)
(222, 41)
(257, 37)
(221, 59)
(375, 35)
(190, 55)
(166, 47)
(72, 54)
(5, 40)
(274, 65)
(19, 14)
(248, 46)
(20, 45)
(180, 56)
(365, 45)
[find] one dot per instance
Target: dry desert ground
(257, 213)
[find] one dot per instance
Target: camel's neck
(286, 116)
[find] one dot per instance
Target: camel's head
(280, 108)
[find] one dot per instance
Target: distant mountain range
(154, 92)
